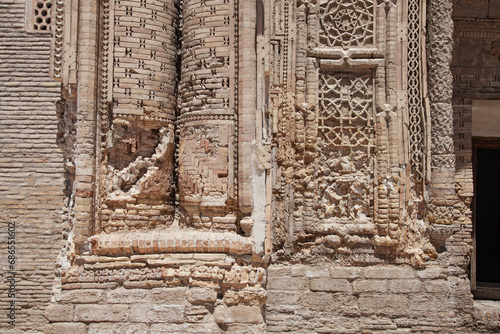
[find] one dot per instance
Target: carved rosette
(346, 23)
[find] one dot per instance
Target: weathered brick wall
(31, 168)
(476, 75)
(170, 293)
(378, 299)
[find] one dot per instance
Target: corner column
(439, 48)
(86, 119)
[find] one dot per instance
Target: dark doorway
(487, 218)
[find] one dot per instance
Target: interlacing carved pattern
(415, 105)
(346, 142)
(346, 106)
(346, 23)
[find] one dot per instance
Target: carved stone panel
(346, 23)
(346, 146)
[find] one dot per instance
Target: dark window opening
(486, 262)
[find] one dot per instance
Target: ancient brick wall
(155, 214)
(31, 168)
(377, 299)
(476, 76)
(246, 166)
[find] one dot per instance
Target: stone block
(201, 295)
(101, 313)
(59, 313)
(390, 272)
(278, 270)
(428, 303)
(205, 328)
(172, 295)
(240, 314)
(283, 298)
(405, 286)
(117, 328)
(249, 329)
(82, 297)
(317, 299)
(432, 273)
(383, 304)
(437, 286)
(155, 313)
(346, 273)
(287, 283)
(66, 328)
(310, 272)
(330, 285)
(126, 296)
(372, 285)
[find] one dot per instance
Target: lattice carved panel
(346, 145)
(346, 23)
(42, 15)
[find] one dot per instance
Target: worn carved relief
(345, 146)
(211, 143)
(138, 112)
(354, 130)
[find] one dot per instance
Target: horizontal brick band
(168, 242)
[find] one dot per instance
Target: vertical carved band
(415, 100)
(439, 50)
(57, 41)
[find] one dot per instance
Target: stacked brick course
(31, 169)
(378, 299)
